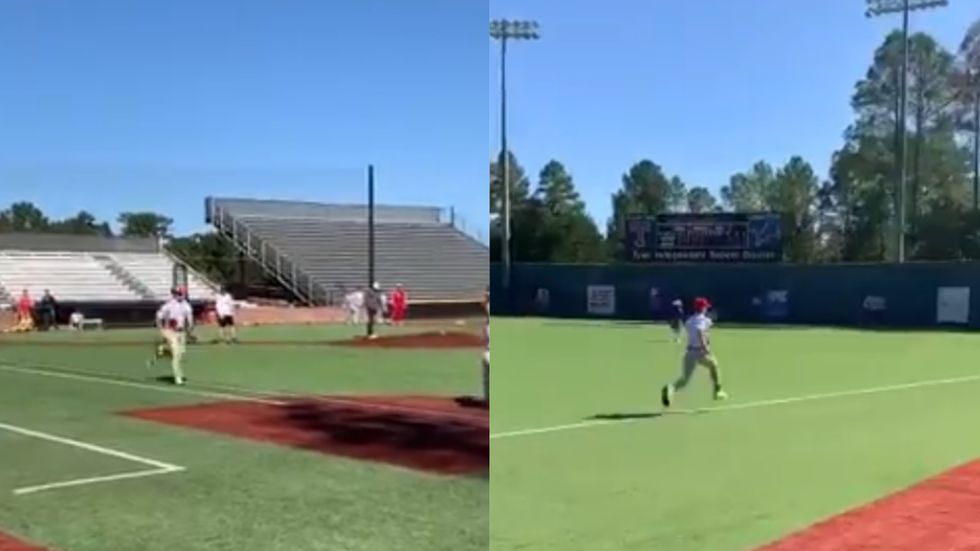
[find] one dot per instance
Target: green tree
(210, 254)
(83, 223)
(795, 195)
(145, 224)
(865, 172)
(23, 216)
(645, 190)
(749, 191)
(556, 190)
(519, 184)
(793, 191)
(564, 231)
(700, 200)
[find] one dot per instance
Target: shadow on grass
(625, 416)
(427, 442)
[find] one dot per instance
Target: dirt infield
(432, 339)
(939, 514)
(10, 543)
(431, 434)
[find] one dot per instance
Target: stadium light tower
(503, 31)
(877, 8)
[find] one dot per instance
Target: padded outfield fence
(880, 295)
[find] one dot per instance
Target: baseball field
(296, 439)
(832, 440)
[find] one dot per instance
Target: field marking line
(241, 394)
(746, 405)
(133, 384)
(159, 467)
(94, 480)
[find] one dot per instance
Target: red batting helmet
(701, 304)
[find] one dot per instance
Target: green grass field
(232, 494)
(819, 421)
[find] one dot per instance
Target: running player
(698, 353)
(224, 307)
(677, 319)
(174, 320)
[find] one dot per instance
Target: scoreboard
(714, 237)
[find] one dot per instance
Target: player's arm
(160, 316)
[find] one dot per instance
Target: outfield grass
(235, 494)
(819, 421)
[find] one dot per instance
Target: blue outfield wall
(908, 295)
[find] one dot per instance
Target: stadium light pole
(877, 8)
(503, 31)
(370, 243)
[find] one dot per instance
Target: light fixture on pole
(877, 8)
(503, 31)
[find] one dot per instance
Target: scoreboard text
(715, 237)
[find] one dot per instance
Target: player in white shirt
(354, 305)
(224, 309)
(175, 318)
(698, 353)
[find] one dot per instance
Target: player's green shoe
(721, 395)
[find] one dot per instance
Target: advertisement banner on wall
(776, 305)
(953, 305)
(601, 300)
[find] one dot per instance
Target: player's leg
(715, 370)
(232, 329)
(687, 369)
(176, 340)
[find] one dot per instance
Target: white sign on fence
(953, 305)
(601, 300)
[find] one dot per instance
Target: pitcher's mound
(432, 339)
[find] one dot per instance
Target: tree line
(848, 215)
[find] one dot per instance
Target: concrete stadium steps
(155, 272)
(433, 261)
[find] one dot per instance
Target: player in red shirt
(399, 305)
(25, 307)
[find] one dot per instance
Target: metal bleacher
(317, 249)
(89, 269)
(76, 277)
(155, 272)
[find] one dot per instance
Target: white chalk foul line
(132, 384)
(745, 405)
(158, 467)
(235, 393)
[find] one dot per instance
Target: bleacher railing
(269, 257)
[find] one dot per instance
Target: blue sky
(704, 88)
(111, 105)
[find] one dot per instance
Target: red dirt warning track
(939, 514)
(430, 434)
(9, 543)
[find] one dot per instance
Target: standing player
(224, 307)
(698, 353)
(399, 304)
(174, 319)
(677, 319)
